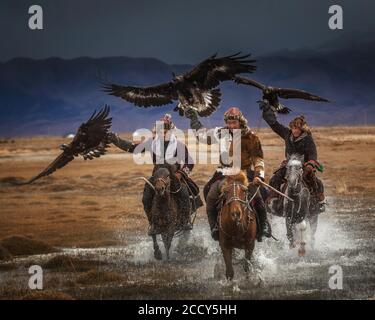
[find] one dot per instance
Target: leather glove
(111, 137)
(264, 105)
(257, 181)
(191, 113)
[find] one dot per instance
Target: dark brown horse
(237, 221)
(164, 208)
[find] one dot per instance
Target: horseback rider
(298, 140)
(173, 148)
(251, 157)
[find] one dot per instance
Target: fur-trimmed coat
(303, 145)
(251, 153)
(251, 150)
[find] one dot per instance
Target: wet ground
(345, 238)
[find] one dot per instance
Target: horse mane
(240, 178)
(295, 157)
(171, 168)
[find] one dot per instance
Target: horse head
(162, 180)
(294, 171)
(235, 203)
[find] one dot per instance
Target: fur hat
(300, 122)
(167, 121)
(235, 113)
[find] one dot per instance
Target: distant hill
(53, 96)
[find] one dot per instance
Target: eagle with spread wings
(196, 88)
(90, 142)
(272, 94)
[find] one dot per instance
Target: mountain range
(53, 96)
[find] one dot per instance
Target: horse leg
(248, 256)
(184, 239)
(157, 252)
(227, 254)
(301, 229)
(290, 232)
(167, 240)
(313, 221)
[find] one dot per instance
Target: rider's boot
(265, 227)
(212, 220)
(184, 205)
(321, 202)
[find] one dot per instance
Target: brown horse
(237, 221)
(164, 208)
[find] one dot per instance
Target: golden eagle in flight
(90, 142)
(272, 94)
(195, 88)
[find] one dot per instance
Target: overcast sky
(176, 31)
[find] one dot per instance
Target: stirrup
(215, 233)
(151, 230)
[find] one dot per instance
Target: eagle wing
(90, 141)
(93, 133)
(208, 103)
(144, 96)
(210, 72)
(250, 82)
(63, 159)
(298, 94)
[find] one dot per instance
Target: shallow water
(345, 238)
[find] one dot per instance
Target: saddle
(193, 190)
(278, 202)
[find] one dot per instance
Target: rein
(246, 203)
(299, 193)
(168, 185)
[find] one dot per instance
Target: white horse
(295, 212)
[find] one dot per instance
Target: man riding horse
(298, 140)
(251, 158)
(172, 149)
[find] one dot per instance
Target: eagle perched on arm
(195, 88)
(272, 94)
(90, 142)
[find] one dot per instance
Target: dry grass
(71, 264)
(46, 295)
(20, 245)
(96, 276)
(97, 203)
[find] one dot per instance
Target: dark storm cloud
(175, 31)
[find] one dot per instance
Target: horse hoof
(301, 251)
(230, 276)
(158, 255)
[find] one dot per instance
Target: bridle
(246, 204)
(167, 185)
(299, 192)
(235, 197)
